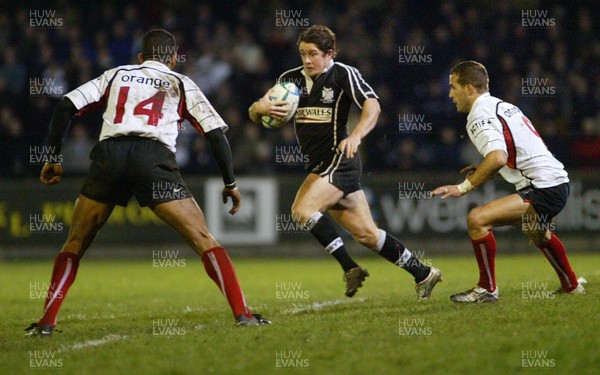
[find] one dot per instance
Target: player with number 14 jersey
(157, 101)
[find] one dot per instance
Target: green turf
(108, 321)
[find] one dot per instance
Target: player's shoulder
(111, 72)
(506, 109)
(294, 72)
(484, 106)
(344, 69)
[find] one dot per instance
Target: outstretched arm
(488, 168)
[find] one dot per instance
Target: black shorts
(547, 202)
(126, 166)
(341, 172)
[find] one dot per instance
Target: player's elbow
(499, 159)
(253, 114)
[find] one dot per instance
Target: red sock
(63, 275)
(485, 252)
(219, 267)
(554, 250)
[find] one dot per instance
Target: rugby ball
(285, 91)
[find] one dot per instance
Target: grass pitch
(128, 317)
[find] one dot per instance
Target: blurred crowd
(545, 60)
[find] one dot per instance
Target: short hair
(158, 45)
(474, 73)
(321, 36)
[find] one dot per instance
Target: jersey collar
(479, 98)
(323, 72)
(155, 64)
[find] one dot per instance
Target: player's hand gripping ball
(287, 92)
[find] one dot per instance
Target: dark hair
(474, 73)
(321, 36)
(158, 45)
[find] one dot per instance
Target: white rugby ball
(285, 91)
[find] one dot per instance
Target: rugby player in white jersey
(328, 89)
(511, 147)
(144, 106)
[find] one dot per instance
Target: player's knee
(299, 214)
(475, 219)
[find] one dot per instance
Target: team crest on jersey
(327, 95)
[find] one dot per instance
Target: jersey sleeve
(91, 94)
(198, 110)
(355, 86)
(486, 134)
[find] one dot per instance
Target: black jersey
(321, 120)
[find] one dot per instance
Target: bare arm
(368, 120)
(488, 168)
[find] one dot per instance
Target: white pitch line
(320, 305)
(92, 343)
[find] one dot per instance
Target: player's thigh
(186, 217)
(315, 194)
(89, 216)
(353, 213)
(507, 210)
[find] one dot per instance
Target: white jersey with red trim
(147, 100)
(493, 124)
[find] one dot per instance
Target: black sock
(395, 252)
(325, 233)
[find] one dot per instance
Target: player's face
(459, 95)
(314, 60)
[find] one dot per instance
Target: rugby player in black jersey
(328, 89)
